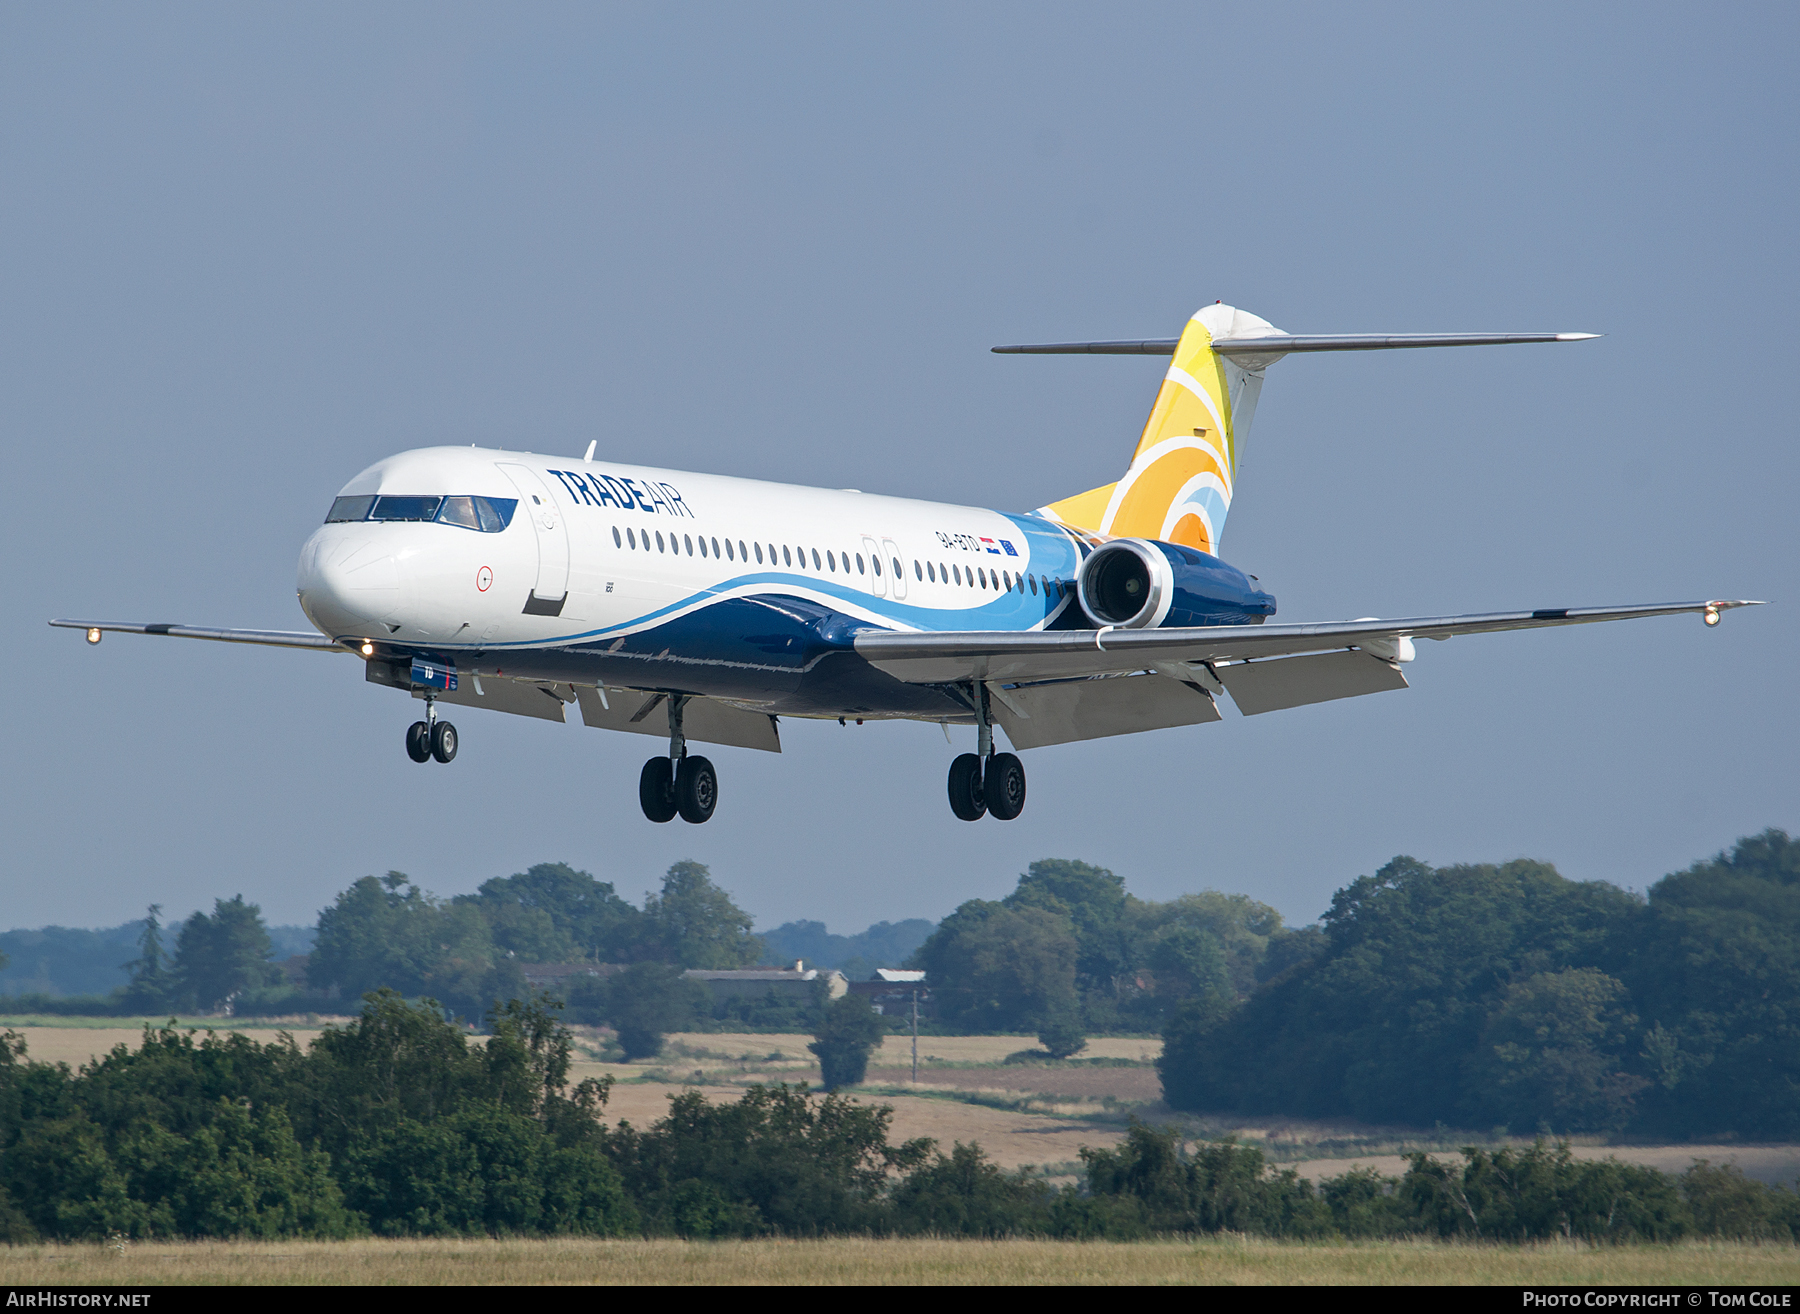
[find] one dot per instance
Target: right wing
(1024, 657)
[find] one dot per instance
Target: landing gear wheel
(1004, 786)
(443, 741)
(418, 741)
(696, 789)
(966, 798)
(656, 789)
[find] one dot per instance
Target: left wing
(1011, 657)
(268, 638)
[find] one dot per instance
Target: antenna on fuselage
(590, 451)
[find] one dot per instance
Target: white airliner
(704, 608)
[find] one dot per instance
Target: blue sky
(252, 249)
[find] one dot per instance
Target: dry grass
(1224, 1260)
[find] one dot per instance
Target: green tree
(1093, 900)
(849, 1033)
(994, 966)
(1239, 928)
(643, 1004)
(219, 955)
(1716, 976)
(390, 934)
(1553, 1053)
(552, 913)
(151, 984)
(697, 924)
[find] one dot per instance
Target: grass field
(1224, 1260)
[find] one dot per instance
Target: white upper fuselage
(596, 551)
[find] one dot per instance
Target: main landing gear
(986, 781)
(431, 737)
(678, 784)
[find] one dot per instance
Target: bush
(845, 1039)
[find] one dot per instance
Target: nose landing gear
(678, 784)
(431, 737)
(986, 781)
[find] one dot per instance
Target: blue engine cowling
(1139, 583)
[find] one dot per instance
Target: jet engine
(1139, 583)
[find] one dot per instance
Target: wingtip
(1577, 337)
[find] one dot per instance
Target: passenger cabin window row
(832, 562)
(485, 515)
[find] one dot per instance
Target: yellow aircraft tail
(1178, 489)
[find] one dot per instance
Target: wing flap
(1035, 716)
(1270, 686)
(703, 720)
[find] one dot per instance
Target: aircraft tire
(696, 789)
(418, 741)
(1003, 787)
(656, 789)
(443, 741)
(966, 798)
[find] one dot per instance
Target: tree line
(1505, 995)
(397, 1124)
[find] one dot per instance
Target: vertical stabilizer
(1179, 486)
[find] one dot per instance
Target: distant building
(891, 993)
(797, 982)
(560, 976)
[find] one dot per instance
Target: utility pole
(915, 1080)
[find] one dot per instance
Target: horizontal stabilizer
(1282, 343)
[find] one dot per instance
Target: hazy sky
(251, 249)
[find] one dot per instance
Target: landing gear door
(890, 559)
(877, 576)
(535, 500)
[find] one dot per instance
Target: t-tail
(1179, 486)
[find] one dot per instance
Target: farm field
(1227, 1260)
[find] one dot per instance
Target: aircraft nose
(346, 584)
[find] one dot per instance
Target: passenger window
(715, 548)
(917, 573)
(1033, 581)
(898, 571)
(631, 538)
(816, 564)
(859, 564)
(957, 571)
(729, 554)
(830, 561)
(742, 554)
(659, 541)
(703, 545)
(617, 541)
(982, 574)
(688, 539)
(786, 557)
(1007, 575)
(759, 554)
(876, 562)
(346, 509)
(931, 572)
(771, 554)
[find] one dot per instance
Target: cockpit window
(349, 508)
(486, 515)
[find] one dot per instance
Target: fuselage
(513, 564)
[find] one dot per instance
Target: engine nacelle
(1139, 583)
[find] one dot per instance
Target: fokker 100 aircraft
(704, 608)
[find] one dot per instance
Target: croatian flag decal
(990, 546)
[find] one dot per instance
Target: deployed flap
(515, 696)
(703, 720)
(1041, 714)
(1270, 686)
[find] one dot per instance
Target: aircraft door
(890, 559)
(877, 576)
(552, 588)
